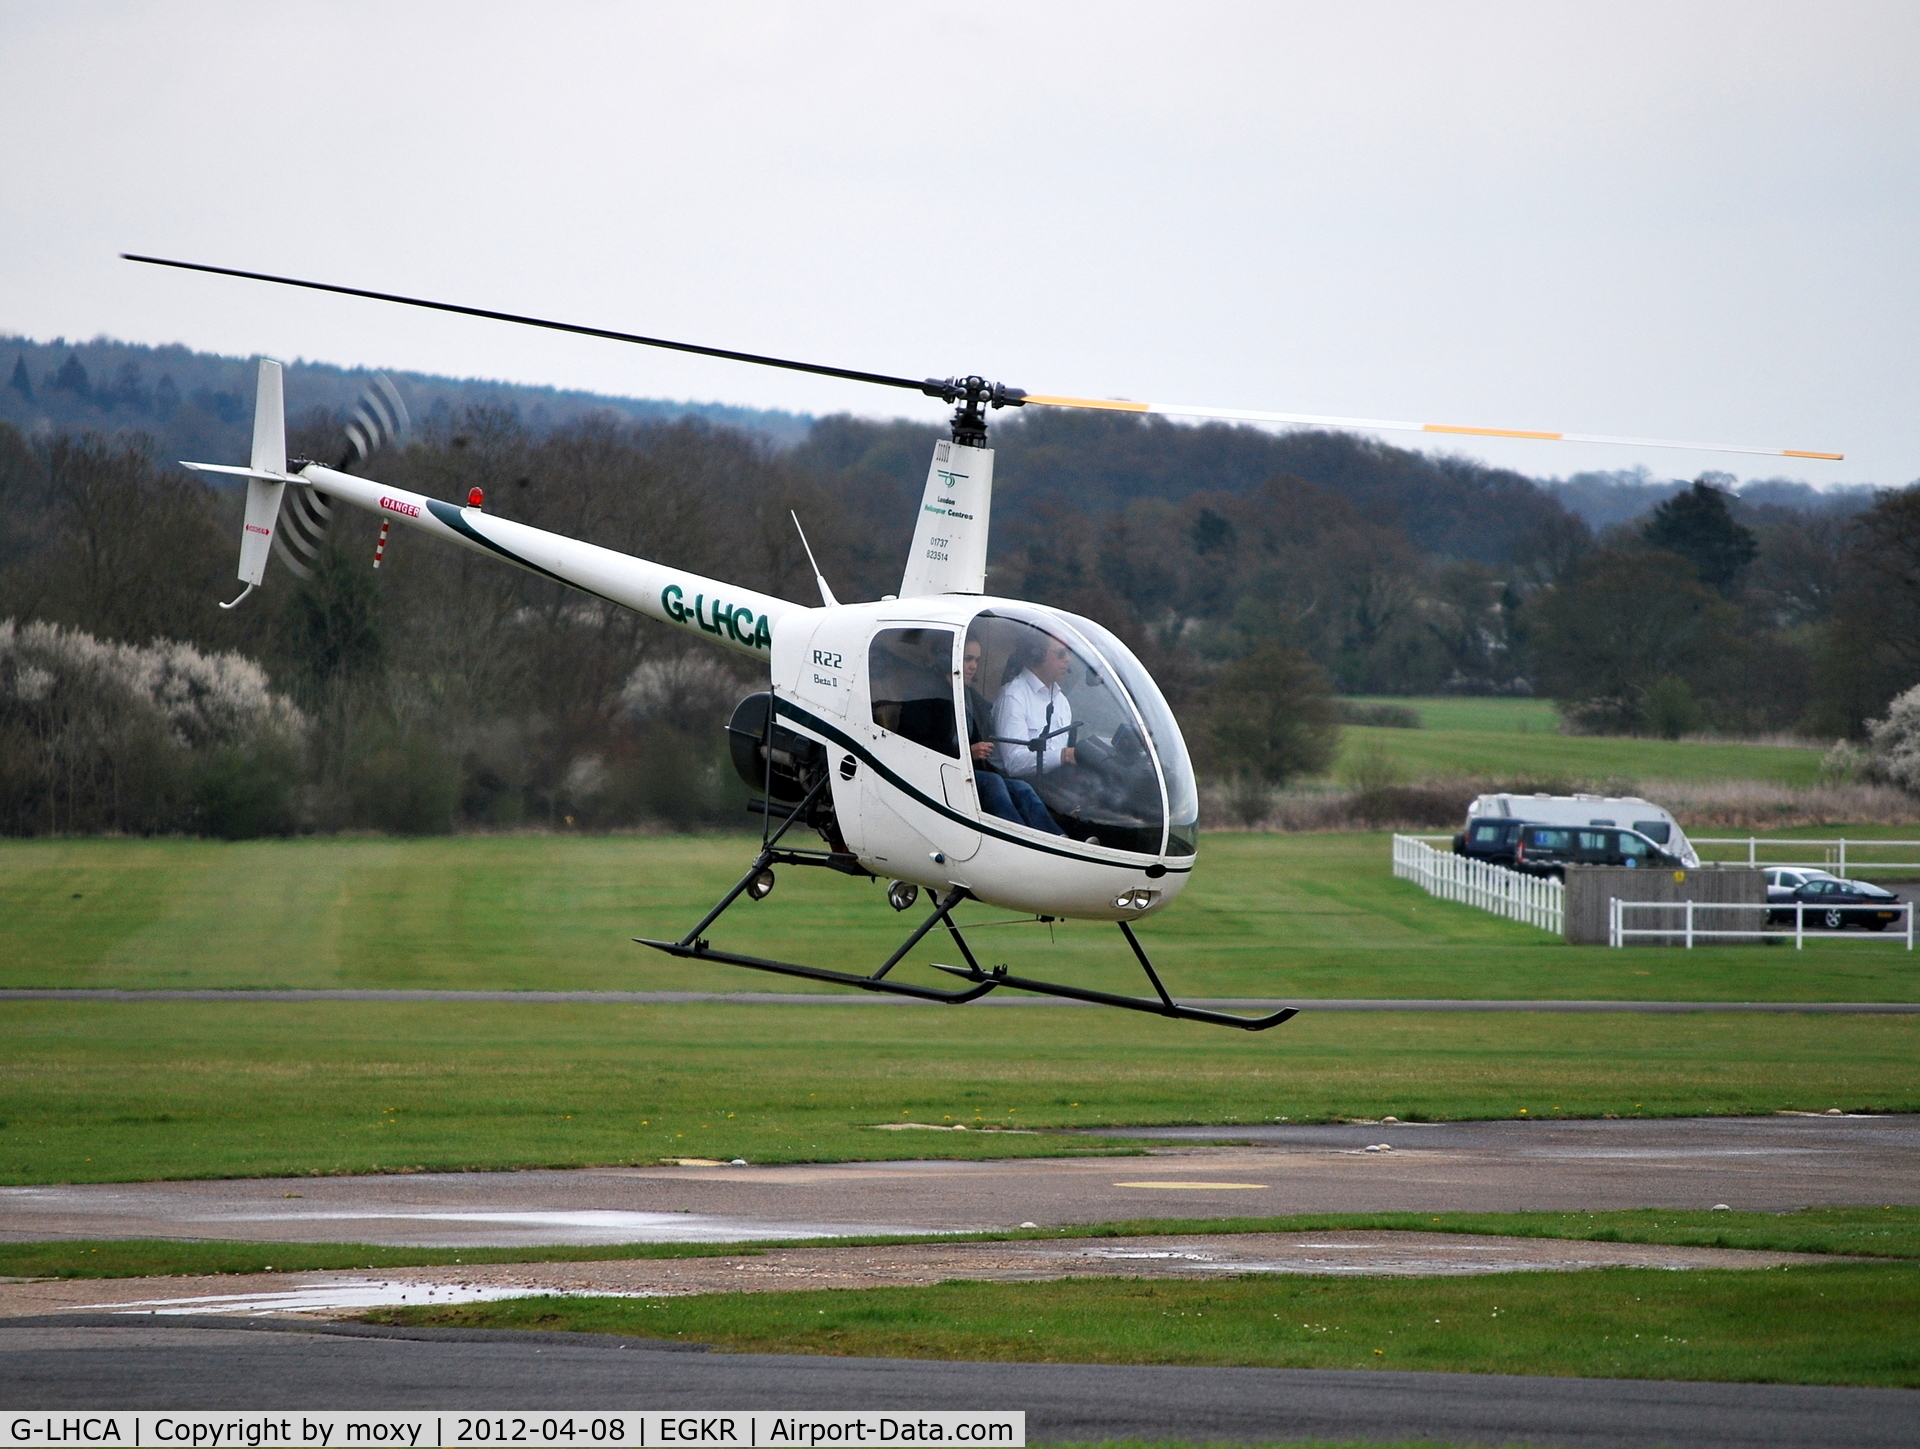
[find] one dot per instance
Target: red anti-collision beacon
(475, 498)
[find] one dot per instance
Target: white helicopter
(1071, 796)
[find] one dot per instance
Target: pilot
(1013, 800)
(1033, 705)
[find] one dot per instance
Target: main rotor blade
(934, 388)
(1244, 415)
(916, 384)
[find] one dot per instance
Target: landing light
(902, 893)
(761, 886)
(1135, 900)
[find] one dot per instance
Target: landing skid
(1165, 1006)
(694, 947)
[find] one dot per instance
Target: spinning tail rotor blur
(379, 419)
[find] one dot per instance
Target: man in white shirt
(1033, 705)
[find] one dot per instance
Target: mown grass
(1876, 1232)
(118, 1091)
(1295, 916)
(1841, 1323)
(1509, 739)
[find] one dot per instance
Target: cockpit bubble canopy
(1078, 717)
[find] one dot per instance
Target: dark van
(1489, 840)
(1550, 849)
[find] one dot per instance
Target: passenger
(1033, 711)
(1006, 799)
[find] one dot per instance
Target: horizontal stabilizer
(239, 472)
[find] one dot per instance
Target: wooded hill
(200, 404)
(1252, 570)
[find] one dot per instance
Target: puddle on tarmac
(332, 1297)
(513, 1229)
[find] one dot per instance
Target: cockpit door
(914, 729)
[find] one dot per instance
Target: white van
(1627, 811)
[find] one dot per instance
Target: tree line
(1256, 575)
(200, 404)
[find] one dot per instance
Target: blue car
(1549, 849)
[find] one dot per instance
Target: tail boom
(735, 618)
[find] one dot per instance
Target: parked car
(1835, 904)
(1788, 878)
(1784, 880)
(1550, 849)
(1491, 840)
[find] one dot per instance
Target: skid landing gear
(694, 947)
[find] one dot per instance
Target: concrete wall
(1589, 887)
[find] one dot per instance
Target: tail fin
(269, 457)
(266, 477)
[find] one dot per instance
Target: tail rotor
(378, 419)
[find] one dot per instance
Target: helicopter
(1069, 795)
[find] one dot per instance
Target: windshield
(1183, 793)
(1076, 717)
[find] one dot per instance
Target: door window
(910, 681)
(1634, 848)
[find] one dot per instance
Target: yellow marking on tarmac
(1197, 1186)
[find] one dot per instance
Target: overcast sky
(1695, 221)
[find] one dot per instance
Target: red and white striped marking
(380, 548)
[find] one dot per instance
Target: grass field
(1266, 915)
(102, 1091)
(1882, 1232)
(1828, 1324)
(110, 1091)
(1507, 739)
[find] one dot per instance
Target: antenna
(826, 594)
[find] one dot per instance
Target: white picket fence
(1683, 923)
(1536, 900)
(1763, 850)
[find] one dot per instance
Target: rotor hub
(974, 394)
